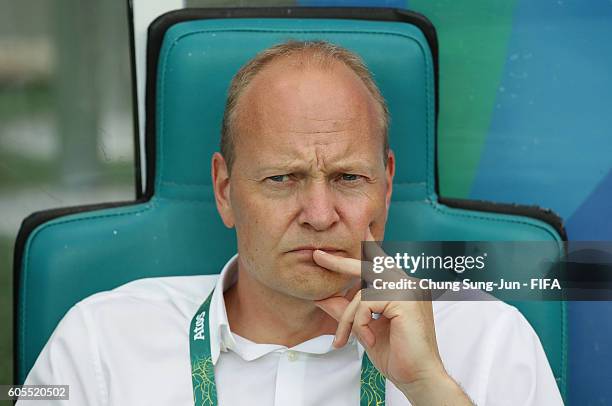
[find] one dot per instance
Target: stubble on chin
(314, 285)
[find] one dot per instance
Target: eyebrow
(336, 167)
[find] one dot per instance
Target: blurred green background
(66, 122)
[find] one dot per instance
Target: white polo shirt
(130, 346)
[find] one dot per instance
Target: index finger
(347, 266)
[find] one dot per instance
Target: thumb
(334, 306)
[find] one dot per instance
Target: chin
(314, 283)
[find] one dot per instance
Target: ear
(221, 187)
(389, 173)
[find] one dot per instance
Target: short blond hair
(321, 53)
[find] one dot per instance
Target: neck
(266, 316)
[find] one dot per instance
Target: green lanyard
(372, 392)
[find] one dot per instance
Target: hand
(401, 343)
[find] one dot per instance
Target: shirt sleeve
(520, 373)
(70, 357)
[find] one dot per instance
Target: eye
(278, 178)
(350, 177)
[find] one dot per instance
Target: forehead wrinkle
(328, 161)
(330, 125)
(315, 118)
(316, 156)
(317, 131)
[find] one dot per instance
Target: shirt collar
(222, 339)
(220, 334)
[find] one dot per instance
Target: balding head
(305, 134)
(303, 56)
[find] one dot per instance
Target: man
(304, 175)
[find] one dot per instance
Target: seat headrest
(197, 59)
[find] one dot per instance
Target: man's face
(308, 173)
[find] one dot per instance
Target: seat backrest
(65, 255)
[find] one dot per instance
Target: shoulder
(115, 329)
(486, 344)
(148, 305)
(483, 312)
(147, 316)
(482, 330)
(190, 288)
(175, 296)
(486, 325)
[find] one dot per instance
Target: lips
(309, 249)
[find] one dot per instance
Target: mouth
(308, 250)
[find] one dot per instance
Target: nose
(318, 207)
